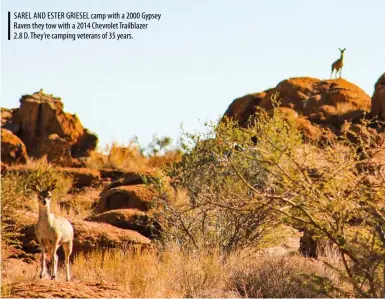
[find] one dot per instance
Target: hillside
(116, 202)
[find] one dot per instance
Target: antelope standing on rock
(338, 64)
(52, 231)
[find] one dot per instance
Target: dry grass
(198, 274)
(118, 156)
(283, 276)
(174, 273)
(166, 159)
(78, 205)
(170, 274)
(129, 157)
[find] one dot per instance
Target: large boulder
(46, 129)
(42, 115)
(241, 109)
(9, 119)
(13, 149)
(327, 103)
(378, 99)
(126, 197)
(129, 219)
(6, 115)
(91, 235)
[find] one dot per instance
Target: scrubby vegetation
(243, 183)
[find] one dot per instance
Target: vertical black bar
(9, 25)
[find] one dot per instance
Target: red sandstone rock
(13, 149)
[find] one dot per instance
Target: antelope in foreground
(51, 232)
(338, 64)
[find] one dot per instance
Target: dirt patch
(59, 289)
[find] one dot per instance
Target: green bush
(212, 205)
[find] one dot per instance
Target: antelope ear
(344, 49)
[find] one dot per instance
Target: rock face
(6, 116)
(46, 129)
(57, 149)
(127, 203)
(83, 177)
(129, 219)
(92, 235)
(378, 99)
(327, 103)
(85, 144)
(125, 197)
(12, 148)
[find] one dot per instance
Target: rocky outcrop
(41, 115)
(91, 235)
(125, 197)
(82, 177)
(122, 178)
(46, 129)
(13, 149)
(56, 149)
(10, 119)
(127, 202)
(6, 117)
(325, 104)
(378, 99)
(85, 144)
(129, 219)
(366, 135)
